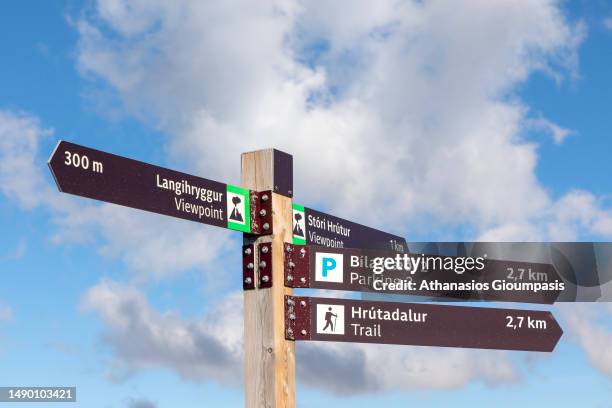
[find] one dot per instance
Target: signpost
(362, 270)
(275, 259)
(322, 319)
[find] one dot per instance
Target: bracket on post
(248, 267)
(297, 317)
(297, 266)
(261, 212)
(265, 265)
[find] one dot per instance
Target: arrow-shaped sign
(379, 271)
(103, 176)
(313, 227)
(322, 319)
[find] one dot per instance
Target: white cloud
(211, 348)
(567, 219)
(151, 245)
(558, 133)
(359, 368)
(590, 326)
(142, 338)
(20, 137)
(406, 109)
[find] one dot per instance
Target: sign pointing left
(106, 177)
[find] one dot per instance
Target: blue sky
(56, 326)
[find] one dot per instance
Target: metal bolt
(290, 302)
(247, 251)
(303, 279)
(264, 249)
(289, 248)
(262, 213)
(262, 264)
(290, 278)
(266, 226)
(248, 280)
(264, 197)
(303, 252)
(250, 265)
(290, 332)
(303, 332)
(303, 303)
(265, 278)
(291, 316)
(291, 265)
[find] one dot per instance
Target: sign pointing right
(323, 319)
(366, 270)
(311, 227)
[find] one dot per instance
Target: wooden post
(269, 358)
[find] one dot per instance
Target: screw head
(291, 265)
(262, 213)
(250, 265)
(303, 303)
(262, 264)
(291, 316)
(288, 248)
(303, 332)
(265, 278)
(266, 226)
(247, 251)
(265, 249)
(248, 280)
(289, 332)
(303, 279)
(290, 302)
(303, 252)
(290, 278)
(265, 197)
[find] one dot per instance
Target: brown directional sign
(103, 176)
(419, 324)
(317, 228)
(365, 270)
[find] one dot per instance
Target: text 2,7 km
(527, 322)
